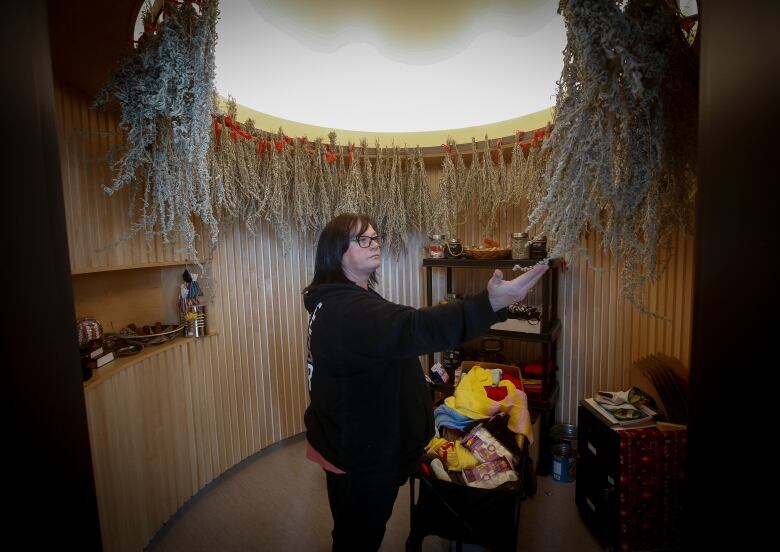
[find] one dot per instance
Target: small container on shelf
(89, 331)
(537, 248)
(453, 249)
(436, 246)
(194, 321)
(520, 245)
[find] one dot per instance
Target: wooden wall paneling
(199, 436)
(219, 358)
(303, 257)
(267, 329)
(118, 298)
(151, 433)
(229, 370)
(250, 336)
(296, 324)
(99, 430)
(279, 366)
(96, 220)
(241, 359)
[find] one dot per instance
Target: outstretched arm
(503, 293)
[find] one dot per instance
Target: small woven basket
(487, 253)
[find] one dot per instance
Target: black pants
(361, 506)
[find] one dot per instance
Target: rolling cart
(486, 517)
(464, 514)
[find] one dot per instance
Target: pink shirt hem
(317, 458)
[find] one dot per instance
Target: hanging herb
(533, 185)
(301, 198)
(419, 205)
(351, 199)
(369, 188)
(464, 190)
(446, 207)
(164, 90)
(622, 159)
(514, 177)
(392, 213)
(324, 210)
(276, 184)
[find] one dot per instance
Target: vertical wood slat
(94, 219)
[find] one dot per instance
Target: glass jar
(520, 245)
(537, 249)
(89, 331)
(436, 246)
(453, 249)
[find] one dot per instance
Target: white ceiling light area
(397, 66)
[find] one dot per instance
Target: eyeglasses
(365, 241)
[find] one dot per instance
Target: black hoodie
(370, 410)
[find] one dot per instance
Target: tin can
(453, 249)
(537, 249)
(564, 433)
(564, 462)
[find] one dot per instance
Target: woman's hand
(503, 293)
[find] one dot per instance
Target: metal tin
(564, 462)
(537, 249)
(564, 433)
(195, 321)
(453, 249)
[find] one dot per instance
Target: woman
(370, 414)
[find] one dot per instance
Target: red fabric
(535, 368)
(496, 393)
(652, 475)
(517, 383)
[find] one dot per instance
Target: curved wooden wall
(164, 428)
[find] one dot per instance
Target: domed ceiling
(401, 66)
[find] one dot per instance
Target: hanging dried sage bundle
(164, 89)
(621, 161)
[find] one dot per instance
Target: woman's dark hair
(331, 246)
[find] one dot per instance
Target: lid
(438, 236)
(453, 240)
(520, 235)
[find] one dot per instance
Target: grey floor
(276, 500)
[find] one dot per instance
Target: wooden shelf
(114, 367)
(129, 267)
(546, 337)
(543, 403)
(484, 263)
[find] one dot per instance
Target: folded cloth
(449, 417)
(452, 453)
(471, 399)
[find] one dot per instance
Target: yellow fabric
(470, 399)
(454, 455)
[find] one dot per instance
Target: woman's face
(360, 262)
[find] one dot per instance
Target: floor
(276, 500)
